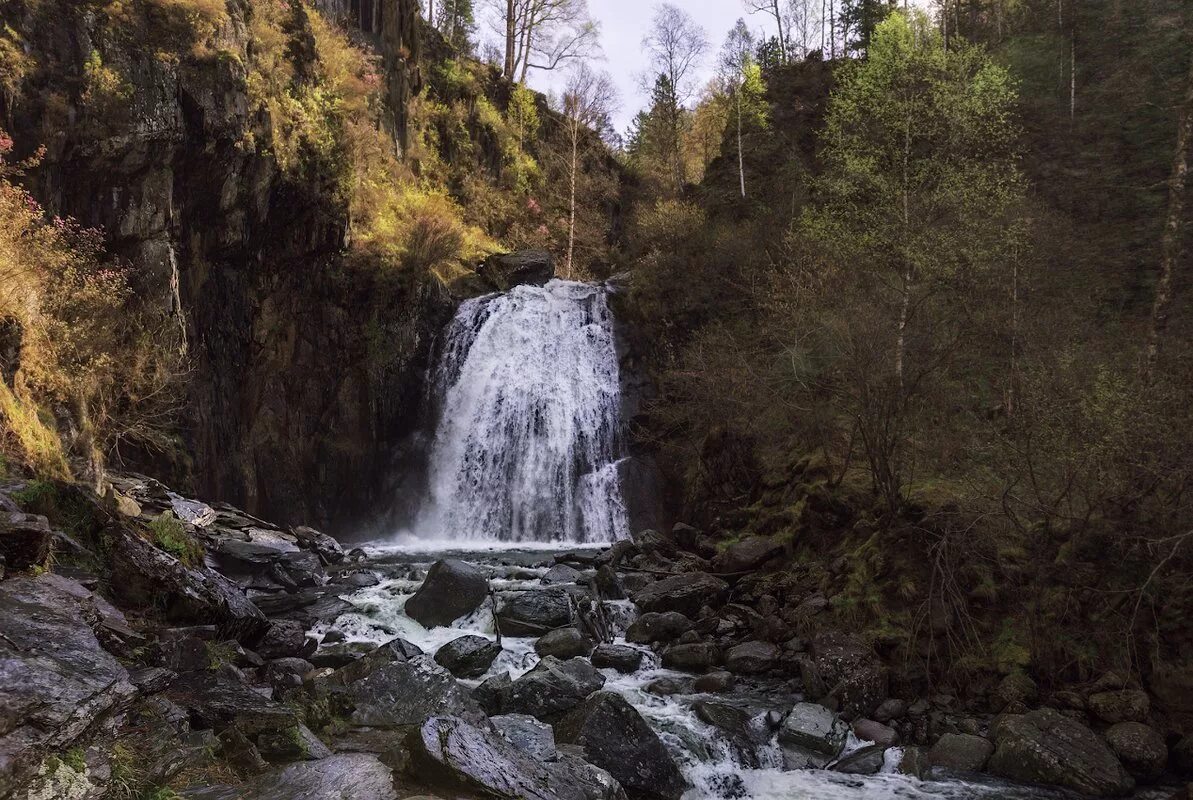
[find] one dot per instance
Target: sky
(623, 24)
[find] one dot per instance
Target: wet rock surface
(468, 656)
(1047, 747)
(451, 589)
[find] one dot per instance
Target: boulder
(563, 643)
(685, 593)
(715, 682)
(1182, 756)
(656, 626)
(863, 761)
(286, 639)
(287, 672)
(319, 543)
(349, 776)
(493, 694)
(814, 728)
(608, 583)
(736, 725)
(401, 693)
(294, 744)
(562, 574)
(56, 681)
(25, 539)
(752, 658)
(890, 709)
(1123, 705)
(869, 730)
(451, 589)
(1047, 747)
(615, 738)
(553, 687)
(746, 555)
(1141, 748)
(217, 701)
(1014, 688)
(468, 656)
(503, 271)
(694, 657)
(528, 734)
(960, 751)
(535, 612)
(620, 657)
(851, 671)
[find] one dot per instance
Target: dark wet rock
(151, 680)
(617, 656)
(216, 701)
(656, 626)
(1181, 757)
(340, 654)
(746, 555)
(454, 753)
(562, 574)
(685, 593)
(914, 762)
(736, 725)
(357, 579)
(407, 692)
(715, 682)
(694, 657)
(56, 681)
(795, 757)
(616, 738)
(870, 731)
(1014, 688)
(528, 734)
(307, 606)
(143, 575)
(815, 728)
(960, 751)
(1123, 705)
(348, 776)
(25, 539)
(635, 581)
(493, 694)
(321, 544)
(752, 658)
(553, 687)
(504, 271)
(183, 654)
(293, 744)
(653, 544)
(662, 687)
(286, 639)
(287, 672)
(890, 709)
(451, 590)
(608, 584)
(535, 612)
(1141, 748)
(300, 569)
(851, 670)
(563, 643)
(1050, 748)
(863, 761)
(468, 656)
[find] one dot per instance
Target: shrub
(170, 535)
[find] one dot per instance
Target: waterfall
(529, 429)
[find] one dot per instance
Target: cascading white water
(529, 427)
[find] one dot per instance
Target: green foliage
(126, 772)
(76, 759)
(170, 535)
(523, 114)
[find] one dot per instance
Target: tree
(586, 105)
(545, 34)
(736, 68)
(858, 20)
(915, 207)
(675, 45)
(804, 25)
(457, 22)
(774, 8)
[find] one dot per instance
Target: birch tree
(740, 78)
(545, 34)
(587, 102)
(675, 44)
(775, 10)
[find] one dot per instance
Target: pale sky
(624, 23)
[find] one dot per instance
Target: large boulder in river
(1141, 749)
(535, 612)
(655, 626)
(851, 670)
(504, 271)
(451, 589)
(56, 681)
(752, 658)
(614, 737)
(685, 593)
(748, 554)
(1049, 748)
(813, 727)
(960, 751)
(468, 656)
(553, 687)
(401, 693)
(620, 657)
(563, 643)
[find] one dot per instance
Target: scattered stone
(562, 574)
(1050, 748)
(563, 643)
(400, 693)
(851, 670)
(715, 682)
(451, 589)
(737, 726)
(320, 543)
(217, 701)
(528, 734)
(284, 639)
(663, 687)
(553, 687)
(869, 730)
(863, 761)
(752, 658)
(493, 694)
(24, 539)
(287, 672)
(468, 656)
(608, 584)
(535, 612)
(1141, 749)
(694, 657)
(748, 554)
(616, 738)
(151, 680)
(815, 728)
(1123, 705)
(1014, 688)
(914, 762)
(684, 593)
(620, 657)
(960, 751)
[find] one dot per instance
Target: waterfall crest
(529, 428)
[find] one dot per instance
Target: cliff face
(306, 365)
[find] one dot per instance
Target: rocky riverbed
(175, 644)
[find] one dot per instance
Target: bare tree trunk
(509, 39)
(741, 163)
(1072, 79)
(823, 15)
(778, 12)
(1173, 232)
(832, 28)
(575, 131)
